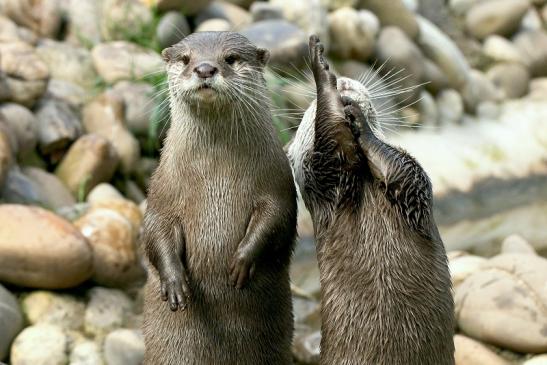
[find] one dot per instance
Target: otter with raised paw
(385, 285)
(220, 224)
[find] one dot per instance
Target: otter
(385, 285)
(220, 224)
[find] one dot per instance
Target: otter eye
(185, 59)
(231, 59)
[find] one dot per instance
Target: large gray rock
(401, 55)
(67, 92)
(59, 257)
(501, 17)
(479, 89)
(353, 33)
(53, 193)
(63, 310)
(121, 60)
(24, 73)
(265, 11)
(58, 126)
(124, 347)
(108, 309)
(235, 15)
(40, 345)
(86, 353)
(288, 45)
(471, 352)
(124, 19)
(24, 125)
(11, 321)
(393, 12)
(84, 26)
(533, 45)
(442, 50)
(41, 16)
(308, 15)
(512, 79)
(90, 161)
(138, 98)
(105, 116)
(504, 303)
(172, 28)
(67, 62)
(19, 189)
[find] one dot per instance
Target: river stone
(124, 19)
(504, 303)
(67, 62)
(102, 192)
(463, 266)
(512, 79)
(84, 22)
(58, 127)
(121, 60)
(501, 50)
(125, 207)
(89, 161)
(11, 320)
(353, 33)
(533, 46)
(306, 347)
(400, 54)
(495, 17)
(86, 353)
(73, 95)
(471, 352)
(59, 257)
(20, 189)
(308, 15)
(536, 360)
(442, 50)
(115, 259)
(40, 345)
(450, 106)
(105, 116)
(43, 307)
(41, 16)
(172, 28)
(10, 32)
(184, 6)
(517, 244)
(393, 12)
(138, 98)
(24, 125)
(236, 16)
(479, 89)
(265, 11)
(428, 109)
(124, 347)
(214, 25)
(288, 45)
(107, 310)
(5, 156)
(54, 194)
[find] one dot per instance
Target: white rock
(124, 347)
(107, 310)
(517, 244)
(40, 345)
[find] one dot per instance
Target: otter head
(302, 145)
(212, 68)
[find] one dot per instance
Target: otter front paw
(354, 116)
(319, 64)
(241, 269)
(175, 288)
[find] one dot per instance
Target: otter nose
(205, 70)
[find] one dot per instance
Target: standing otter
(220, 224)
(385, 285)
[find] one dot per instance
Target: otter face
(302, 145)
(213, 67)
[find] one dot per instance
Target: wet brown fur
(385, 284)
(221, 213)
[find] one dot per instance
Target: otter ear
(262, 56)
(168, 54)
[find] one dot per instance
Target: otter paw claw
(176, 291)
(320, 66)
(241, 271)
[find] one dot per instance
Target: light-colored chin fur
(302, 144)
